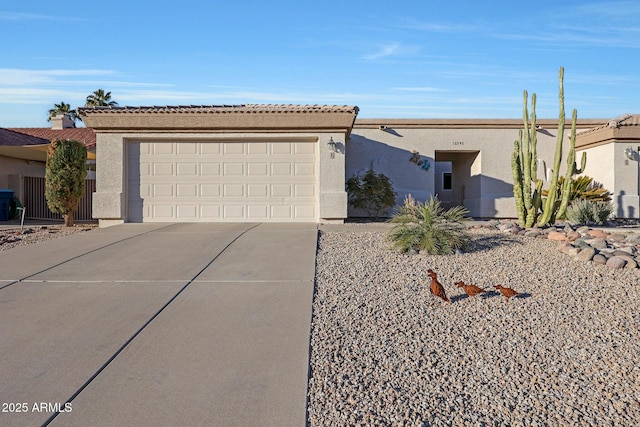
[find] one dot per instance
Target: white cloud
(21, 77)
(6, 15)
(384, 51)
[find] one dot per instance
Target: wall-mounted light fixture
(630, 153)
(333, 147)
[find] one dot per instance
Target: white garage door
(222, 181)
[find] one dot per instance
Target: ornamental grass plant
(428, 227)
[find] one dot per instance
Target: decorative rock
(631, 263)
(618, 237)
(583, 230)
(532, 233)
(616, 262)
(586, 254)
(598, 234)
(565, 247)
(619, 252)
(629, 250)
(572, 236)
(556, 235)
(598, 243)
(600, 259)
(505, 227)
(580, 243)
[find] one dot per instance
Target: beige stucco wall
(12, 170)
(618, 174)
(480, 151)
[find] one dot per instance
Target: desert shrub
(64, 177)
(371, 192)
(428, 227)
(583, 187)
(583, 211)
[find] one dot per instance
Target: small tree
(371, 192)
(64, 177)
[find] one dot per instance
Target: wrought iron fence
(37, 207)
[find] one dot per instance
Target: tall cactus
(524, 166)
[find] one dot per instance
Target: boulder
(616, 262)
(557, 235)
(586, 254)
(600, 259)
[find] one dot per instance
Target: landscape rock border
(611, 247)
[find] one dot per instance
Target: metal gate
(36, 203)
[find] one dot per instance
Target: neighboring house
(290, 162)
(23, 154)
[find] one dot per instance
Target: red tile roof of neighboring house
(85, 135)
(9, 137)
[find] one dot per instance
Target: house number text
(458, 143)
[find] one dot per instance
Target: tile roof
(9, 137)
(221, 109)
(85, 135)
(617, 122)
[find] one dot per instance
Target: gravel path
(384, 351)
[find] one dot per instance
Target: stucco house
(23, 154)
(290, 162)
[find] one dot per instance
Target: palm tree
(100, 99)
(62, 108)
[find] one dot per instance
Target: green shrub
(65, 172)
(428, 227)
(582, 211)
(371, 192)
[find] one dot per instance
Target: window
(446, 181)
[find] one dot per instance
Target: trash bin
(5, 203)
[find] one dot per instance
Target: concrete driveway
(158, 325)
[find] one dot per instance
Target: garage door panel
(281, 148)
(302, 190)
(187, 212)
(283, 169)
(162, 169)
(233, 190)
(257, 169)
(304, 169)
(257, 190)
(187, 148)
(258, 148)
(187, 169)
(210, 212)
(233, 169)
(187, 190)
(162, 190)
(210, 190)
(304, 148)
(162, 148)
(222, 181)
(162, 211)
(233, 212)
(233, 148)
(209, 169)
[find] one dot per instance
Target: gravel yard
(384, 351)
(12, 237)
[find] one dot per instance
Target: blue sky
(403, 59)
